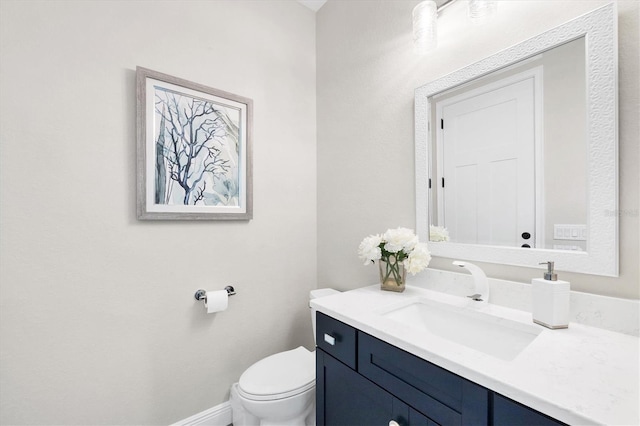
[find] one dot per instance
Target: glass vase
(393, 274)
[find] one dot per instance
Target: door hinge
(443, 182)
(442, 123)
(429, 183)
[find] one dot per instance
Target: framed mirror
(517, 154)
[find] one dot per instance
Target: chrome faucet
(479, 280)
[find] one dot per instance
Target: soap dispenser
(550, 300)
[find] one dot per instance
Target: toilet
(279, 389)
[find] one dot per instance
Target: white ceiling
(313, 4)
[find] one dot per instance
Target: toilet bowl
(279, 389)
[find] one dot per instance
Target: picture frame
(194, 150)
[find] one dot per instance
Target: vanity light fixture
(425, 20)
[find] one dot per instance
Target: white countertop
(580, 375)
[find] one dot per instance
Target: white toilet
(279, 389)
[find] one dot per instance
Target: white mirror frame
(601, 256)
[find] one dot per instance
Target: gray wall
(565, 157)
(98, 320)
(366, 75)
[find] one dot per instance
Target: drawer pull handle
(329, 339)
(393, 423)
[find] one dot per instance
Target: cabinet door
(509, 413)
(343, 397)
(418, 419)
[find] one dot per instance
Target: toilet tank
(315, 294)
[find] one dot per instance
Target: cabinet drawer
(336, 338)
(509, 413)
(446, 398)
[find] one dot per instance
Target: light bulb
(425, 29)
(479, 10)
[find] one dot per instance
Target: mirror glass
(500, 147)
(516, 155)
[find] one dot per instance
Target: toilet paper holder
(202, 294)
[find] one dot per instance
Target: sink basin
(492, 335)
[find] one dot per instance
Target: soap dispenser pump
(550, 299)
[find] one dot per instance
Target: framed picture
(194, 150)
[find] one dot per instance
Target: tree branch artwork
(197, 151)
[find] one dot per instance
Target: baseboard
(220, 415)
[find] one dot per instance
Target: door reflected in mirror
(508, 155)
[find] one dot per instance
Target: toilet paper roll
(216, 301)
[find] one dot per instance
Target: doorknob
(526, 235)
(394, 423)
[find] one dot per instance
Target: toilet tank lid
(322, 292)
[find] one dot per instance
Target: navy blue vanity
(361, 380)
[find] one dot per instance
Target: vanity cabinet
(361, 380)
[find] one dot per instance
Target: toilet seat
(279, 376)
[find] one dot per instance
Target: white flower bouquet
(397, 250)
(438, 233)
